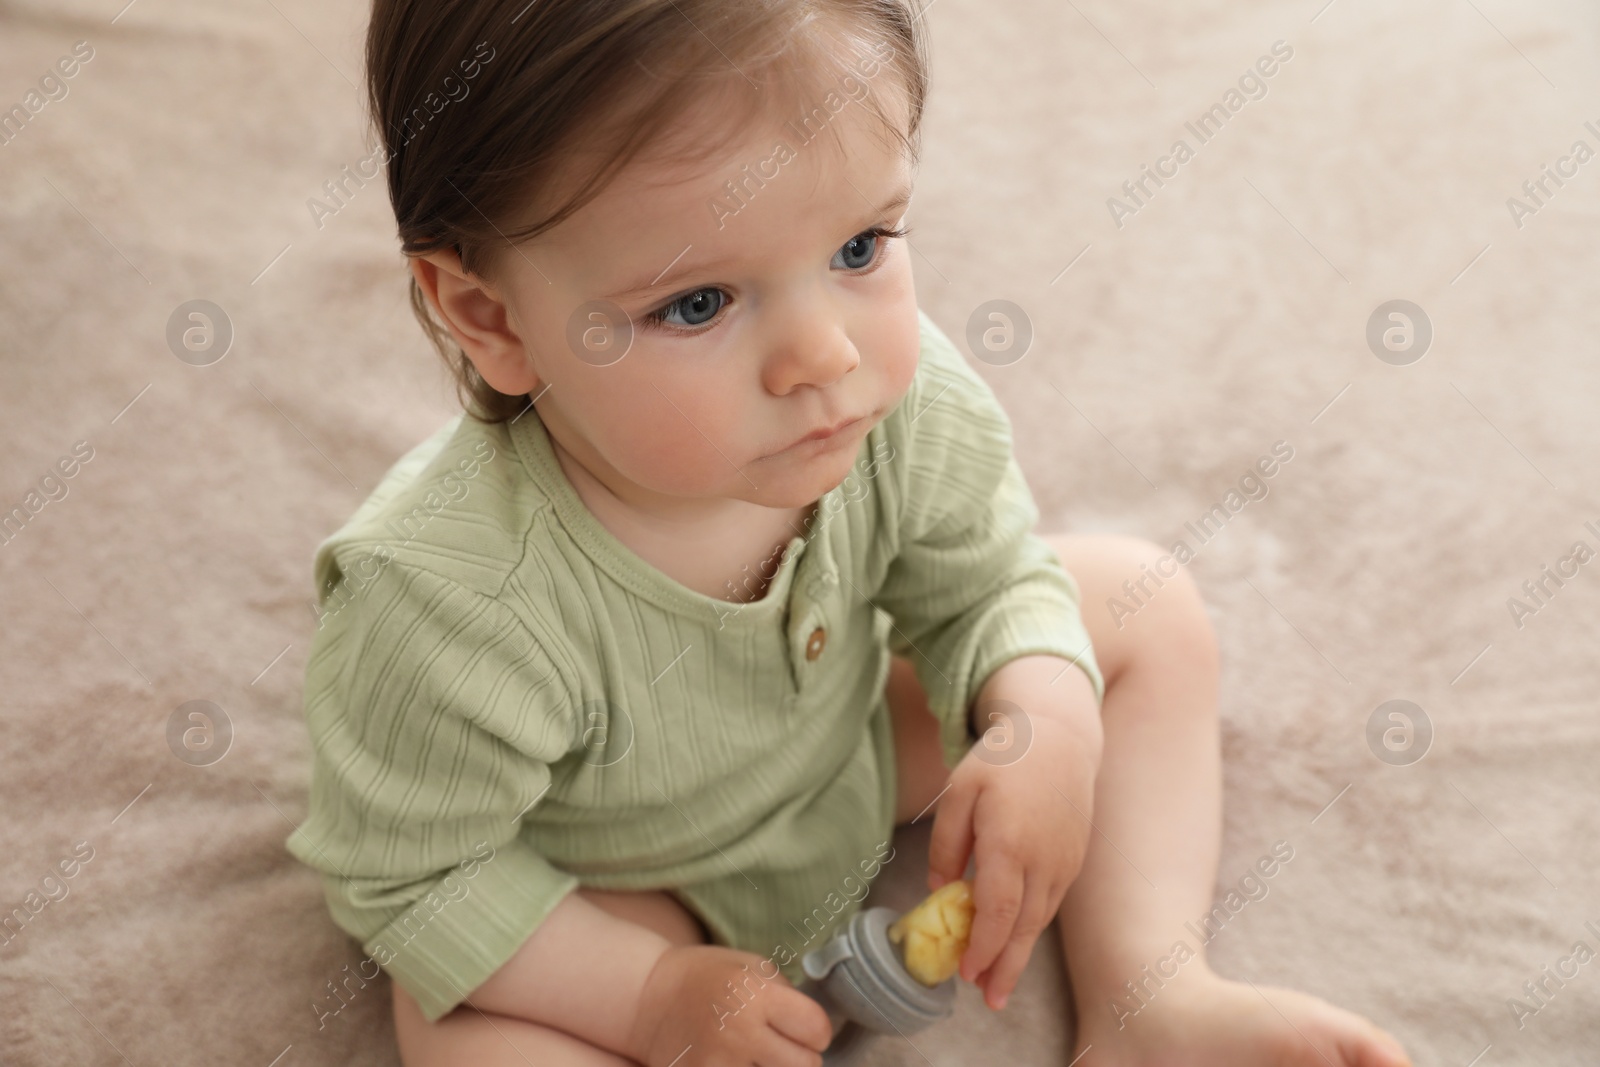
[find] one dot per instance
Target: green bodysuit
(505, 702)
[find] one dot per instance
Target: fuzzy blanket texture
(1422, 544)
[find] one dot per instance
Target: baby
(624, 678)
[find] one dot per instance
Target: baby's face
(756, 320)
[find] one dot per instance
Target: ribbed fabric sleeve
(971, 587)
(436, 718)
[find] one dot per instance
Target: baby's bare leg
(467, 1036)
(1158, 796)
(1151, 862)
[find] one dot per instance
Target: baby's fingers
(950, 844)
(772, 1049)
(997, 899)
(801, 1020)
(1001, 979)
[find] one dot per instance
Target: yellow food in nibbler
(936, 933)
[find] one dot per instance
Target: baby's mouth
(820, 439)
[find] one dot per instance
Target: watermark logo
(739, 190)
(1542, 589)
(1137, 192)
(358, 574)
(1399, 732)
(1566, 167)
(599, 333)
(454, 89)
(199, 733)
(50, 489)
(449, 889)
(832, 504)
(1399, 332)
(607, 733)
(1007, 736)
(1251, 888)
(53, 86)
(1550, 980)
(199, 332)
(1252, 486)
(821, 920)
(999, 333)
(52, 889)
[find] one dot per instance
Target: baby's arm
(989, 618)
(627, 989)
(582, 970)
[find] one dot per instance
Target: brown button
(819, 637)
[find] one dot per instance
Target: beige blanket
(1180, 331)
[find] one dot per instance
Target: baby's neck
(722, 548)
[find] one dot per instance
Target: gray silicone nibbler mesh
(860, 975)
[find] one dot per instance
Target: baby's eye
(691, 309)
(862, 249)
(857, 252)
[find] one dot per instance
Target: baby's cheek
(895, 326)
(677, 448)
(901, 347)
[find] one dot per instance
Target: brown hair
(549, 76)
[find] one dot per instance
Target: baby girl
(624, 678)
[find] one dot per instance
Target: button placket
(816, 581)
(811, 637)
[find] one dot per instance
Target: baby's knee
(1178, 618)
(1185, 608)
(1138, 599)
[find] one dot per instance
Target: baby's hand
(686, 1005)
(1027, 821)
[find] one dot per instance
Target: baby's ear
(475, 314)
